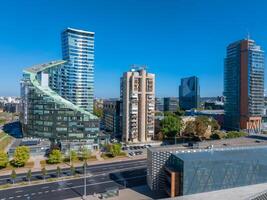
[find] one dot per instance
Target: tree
(58, 171)
(55, 157)
(85, 154)
(13, 175)
(115, 149)
(21, 156)
(170, 126)
(73, 155)
(179, 112)
(3, 159)
(190, 129)
(202, 123)
(29, 175)
(98, 112)
(44, 172)
(72, 170)
(217, 135)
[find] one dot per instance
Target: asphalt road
(93, 169)
(100, 178)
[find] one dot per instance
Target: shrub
(21, 156)
(3, 159)
(55, 157)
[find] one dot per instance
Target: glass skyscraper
(244, 86)
(189, 93)
(77, 75)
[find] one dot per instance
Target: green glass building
(46, 114)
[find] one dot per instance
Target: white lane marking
(33, 193)
(11, 197)
(40, 192)
(18, 191)
(53, 190)
(46, 191)
(18, 196)
(26, 195)
(45, 187)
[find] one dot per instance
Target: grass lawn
(5, 140)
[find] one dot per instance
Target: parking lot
(135, 150)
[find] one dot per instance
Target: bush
(21, 156)
(55, 157)
(235, 134)
(217, 135)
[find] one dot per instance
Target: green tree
(3, 159)
(29, 175)
(73, 155)
(98, 112)
(115, 149)
(21, 156)
(170, 126)
(58, 171)
(55, 157)
(44, 172)
(72, 170)
(85, 154)
(13, 175)
(179, 112)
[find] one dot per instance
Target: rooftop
(248, 141)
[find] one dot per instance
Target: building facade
(171, 104)
(46, 114)
(77, 74)
(112, 117)
(207, 166)
(244, 86)
(189, 93)
(138, 106)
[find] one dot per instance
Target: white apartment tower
(138, 97)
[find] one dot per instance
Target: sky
(173, 38)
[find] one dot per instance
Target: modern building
(46, 114)
(138, 106)
(112, 117)
(171, 104)
(207, 166)
(244, 86)
(159, 104)
(77, 74)
(189, 93)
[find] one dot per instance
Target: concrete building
(189, 93)
(138, 106)
(244, 86)
(159, 104)
(112, 117)
(191, 168)
(76, 77)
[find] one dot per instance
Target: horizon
(191, 41)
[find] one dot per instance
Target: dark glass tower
(189, 93)
(244, 86)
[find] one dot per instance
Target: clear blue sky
(175, 38)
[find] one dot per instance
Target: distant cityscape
(186, 144)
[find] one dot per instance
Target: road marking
(26, 195)
(40, 192)
(53, 190)
(18, 191)
(33, 193)
(18, 196)
(11, 197)
(45, 187)
(46, 191)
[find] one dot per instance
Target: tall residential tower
(138, 105)
(244, 86)
(77, 84)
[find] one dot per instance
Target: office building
(207, 166)
(170, 104)
(46, 114)
(159, 104)
(112, 117)
(77, 75)
(244, 86)
(189, 93)
(138, 106)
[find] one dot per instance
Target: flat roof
(242, 153)
(251, 140)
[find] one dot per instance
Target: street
(100, 178)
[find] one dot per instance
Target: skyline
(126, 33)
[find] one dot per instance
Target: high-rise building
(112, 117)
(244, 86)
(138, 105)
(77, 75)
(189, 93)
(46, 114)
(170, 104)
